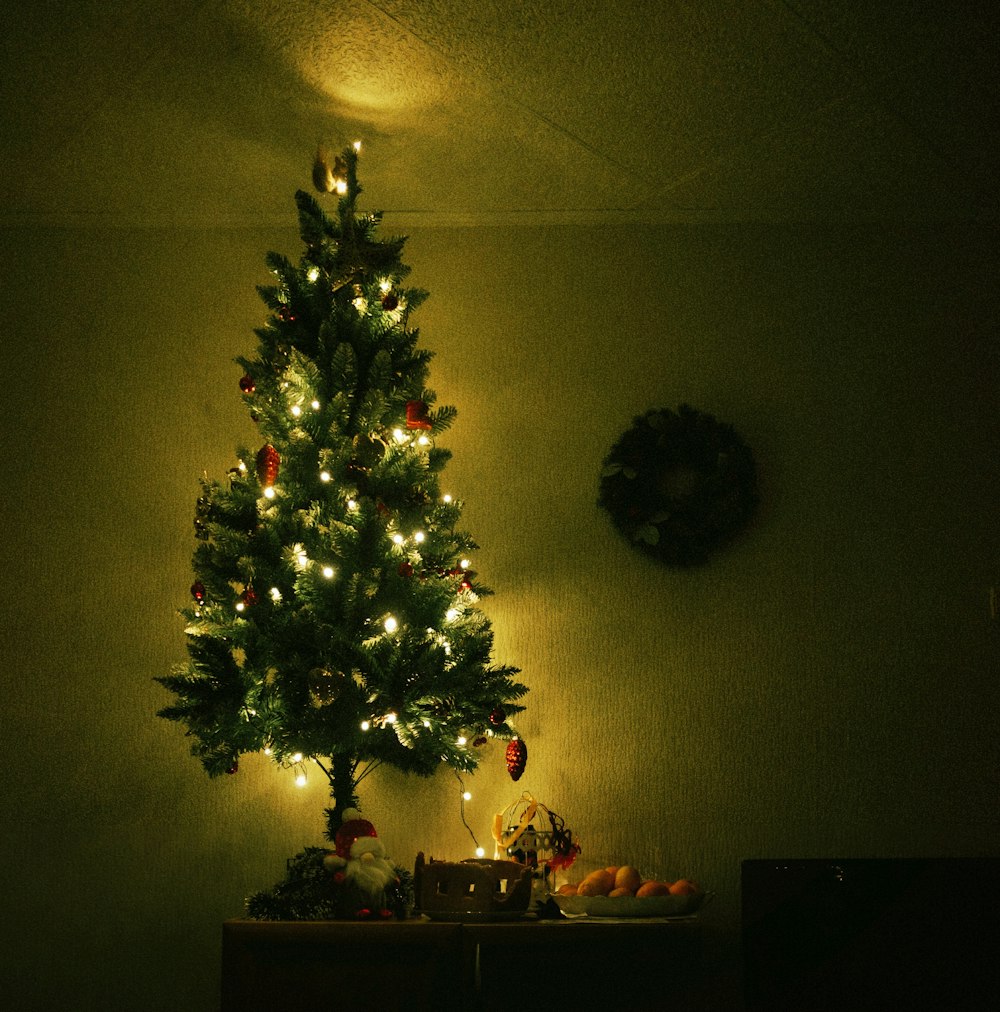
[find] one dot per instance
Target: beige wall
(826, 686)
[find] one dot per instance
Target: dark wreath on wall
(679, 485)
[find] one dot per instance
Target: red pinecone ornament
(268, 462)
(517, 758)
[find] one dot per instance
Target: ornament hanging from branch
(268, 463)
(417, 416)
(517, 758)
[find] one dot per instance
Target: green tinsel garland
(679, 485)
(309, 892)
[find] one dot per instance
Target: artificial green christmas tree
(334, 616)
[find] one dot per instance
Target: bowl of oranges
(621, 891)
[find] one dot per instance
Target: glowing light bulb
(480, 852)
(314, 405)
(427, 723)
(390, 718)
(297, 758)
(462, 740)
(240, 606)
(296, 411)
(467, 796)
(356, 146)
(352, 504)
(303, 560)
(391, 625)
(328, 572)
(300, 780)
(464, 563)
(269, 492)
(399, 435)
(275, 594)
(267, 750)
(341, 187)
(451, 614)
(419, 537)
(365, 725)
(424, 441)
(325, 476)
(446, 498)
(384, 285)
(398, 539)
(313, 274)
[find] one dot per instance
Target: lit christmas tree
(334, 617)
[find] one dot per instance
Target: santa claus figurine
(364, 875)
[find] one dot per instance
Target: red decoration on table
(416, 415)
(517, 758)
(268, 462)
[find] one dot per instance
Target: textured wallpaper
(827, 685)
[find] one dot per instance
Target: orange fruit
(597, 883)
(653, 889)
(567, 889)
(620, 891)
(684, 887)
(628, 878)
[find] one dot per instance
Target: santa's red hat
(353, 828)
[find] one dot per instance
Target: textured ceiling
(208, 112)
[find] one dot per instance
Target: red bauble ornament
(416, 415)
(247, 384)
(390, 302)
(405, 570)
(234, 768)
(497, 716)
(287, 314)
(268, 463)
(198, 591)
(249, 597)
(517, 758)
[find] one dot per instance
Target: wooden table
(285, 966)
